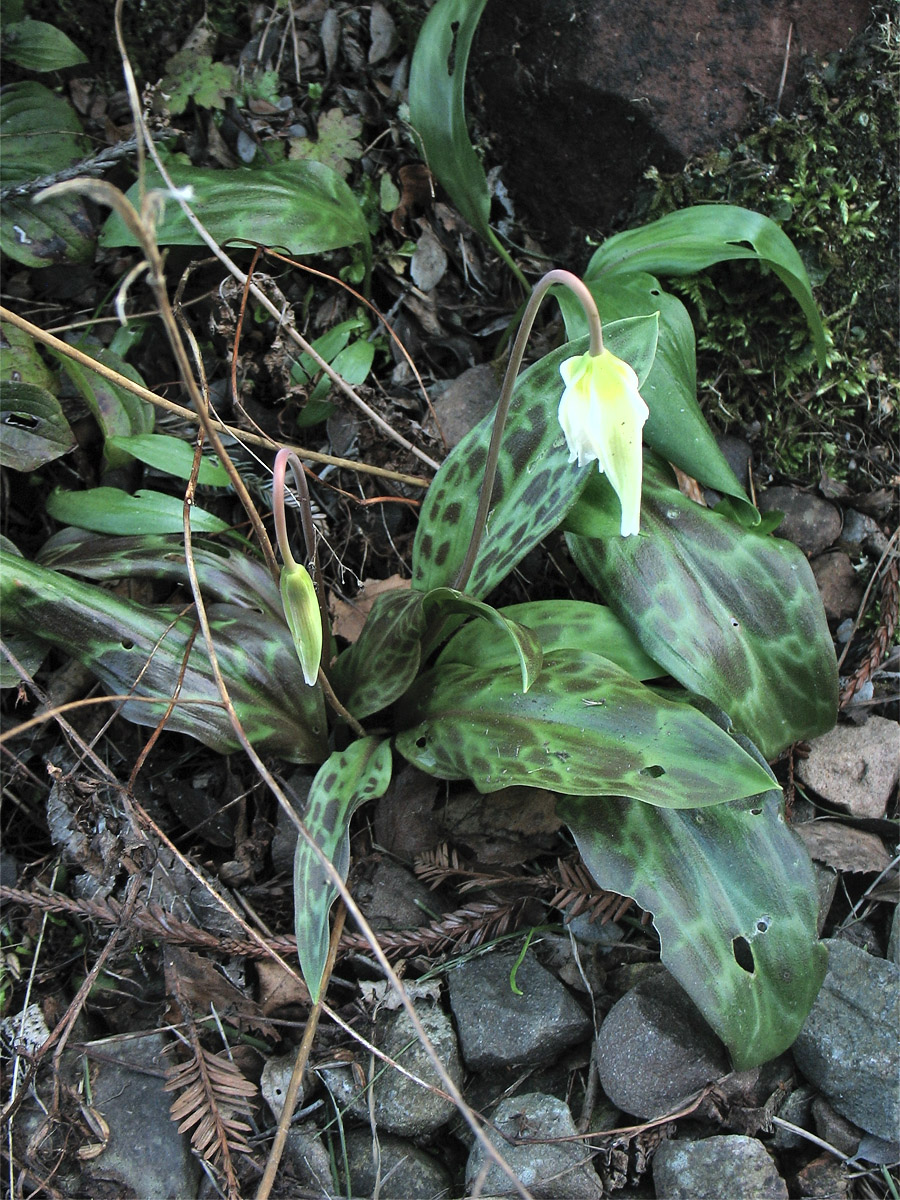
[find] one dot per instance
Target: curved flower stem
(583, 295)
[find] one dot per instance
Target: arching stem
(595, 331)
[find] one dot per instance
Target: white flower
(602, 414)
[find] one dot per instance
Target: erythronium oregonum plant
(650, 713)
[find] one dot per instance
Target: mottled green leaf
(45, 235)
(33, 427)
(584, 727)
(535, 485)
(682, 243)
(38, 46)
(348, 778)
(302, 206)
(383, 662)
(28, 650)
(437, 113)
(229, 573)
(110, 510)
(141, 651)
(726, 885)
(521, 645)
(731, 615)
(20, 359)
(172, 455)
(558, 625)
(676, 428)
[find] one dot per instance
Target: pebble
(855, 766)
(402, 1106)
(498, 1028)
(824, 1179)
(406, 1172)
(811, 523)
(655, 1050)
(462, 405)
(839, 586)
(549, 1170)
(848, 1046)
(734, 1166)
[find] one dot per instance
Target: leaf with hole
(734, 901)
(732, 615)
(34, 428)
(584, 727)
(345, 781)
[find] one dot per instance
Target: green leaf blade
(378, 668)
(733, 616)
(38, 46)
(584, 727)
(110, 510)
(719, 882)
(348, 778)
(34, 428)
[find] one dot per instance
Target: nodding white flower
(301, 610)
(602, 414)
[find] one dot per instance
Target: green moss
(828, 174)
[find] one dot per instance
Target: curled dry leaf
(843, 847)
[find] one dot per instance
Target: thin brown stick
(192, 418)
(293, 1088)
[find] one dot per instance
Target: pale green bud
(301, 609)
(602, 414)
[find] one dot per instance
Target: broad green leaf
(726, 885)
(733, 616)
(682, 243)
(558, 625)
(38, 46)
(383, 662)
(353, 364)
(40, 132)
(437, 112)
(348, 778)
(305, 368)
(142, 652)
(110, 510)
(302, 206)
(117, 411)
(584, 727)
(535, 485)
(521, 643)
(172, 455)
(676, 427)
(33, 426)
(225, 572)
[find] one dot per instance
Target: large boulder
(583, 96)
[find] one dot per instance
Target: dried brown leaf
(843, 847)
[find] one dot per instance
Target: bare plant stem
(582, 293)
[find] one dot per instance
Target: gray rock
(655, 1050)
(848, 1046)
(392, 898)
(402, 1106)
(893, 949)
(407, 1173)
(824, 1179)
(855, 766)
(145, 1152)
(308, 1159)
(733, 1166)
(834, 1129)
(809, 522)
(497, 1028)
(795, 1109)
(549, 1170)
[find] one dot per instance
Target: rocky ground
(545, 999)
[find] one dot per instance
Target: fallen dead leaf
(843, 847)
(349, 616)
(278, 989)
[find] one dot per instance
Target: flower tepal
(602, 414)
